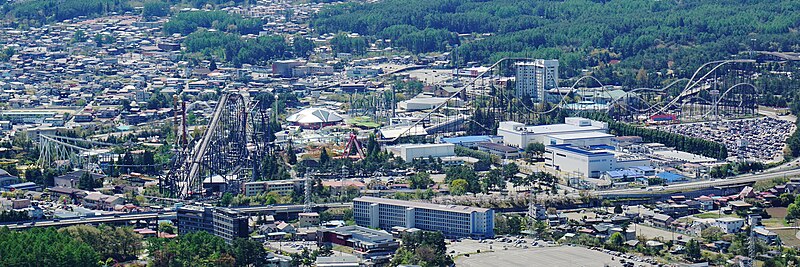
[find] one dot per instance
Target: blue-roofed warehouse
(671, 177)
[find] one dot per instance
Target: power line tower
(307, 205)
(752, 248)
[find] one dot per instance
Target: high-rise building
(533, 79)
(223, 222)
(451, 220)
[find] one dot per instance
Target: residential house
(729, 225)
(767, 236)
(661, 220)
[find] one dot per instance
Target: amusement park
(249, 134)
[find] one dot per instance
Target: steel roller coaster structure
(236, 141)
(700, 99)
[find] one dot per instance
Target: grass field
(713, 215)
(777, 217)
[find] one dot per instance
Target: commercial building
(426, 103)
(409, 152)
(366, 243)
(7, 179)
(283, 68)
(502, 151)
(729, 225)
(451, 220)
(574, 130)
(315, 118)
(282, 187)
(312, 69)
(96, 200)
(223, 222)
(588, 163)
(27, 116)
(533, 79)
(472, 141)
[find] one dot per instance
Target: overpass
(699, 185)
(275, 209)
(167, 215)
(105, 219)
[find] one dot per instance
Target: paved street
(544, 256)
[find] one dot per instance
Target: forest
(188, 22)
(238, 50)
(85, 245)
(38, 12)
(657, 36)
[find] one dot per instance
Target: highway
(93, 220)
(119, 218)
(739, 179)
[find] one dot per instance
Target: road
(745, 178)
(93, 220)
(162, 215)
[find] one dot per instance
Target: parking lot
(291, 246)
(545, 256)
(756, 139)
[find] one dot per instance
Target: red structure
(353, 142)
(663, 119)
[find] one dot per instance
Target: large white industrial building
(576, 131)
(589, 163)
(409, 152)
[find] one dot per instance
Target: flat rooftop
(468, 139)
(363, 233)
(557, 128)
(576, 150)
(581, 135)
(424, 205)
(684, 156)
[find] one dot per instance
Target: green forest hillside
(654, 35)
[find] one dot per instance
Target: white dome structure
(315, 118)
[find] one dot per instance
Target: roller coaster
(716, 90)
(232, 149)
(235, 141)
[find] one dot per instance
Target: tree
(458, 187)
(79, 36)
(166, 227)
(510, 170)
(494, 180)
(34, 174)
(302, 46)
(693, 250)
(534, 150)
(465, 173)
(422, 248)
(44, 247)
(120, 243)
(226, 199)
(420, 180)
(617, 209)
(291, 155)
(615, 241)
(324, 158)
(88, 182)
(793, 210)
(711, 234)
(155, 8)
(248, 252)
